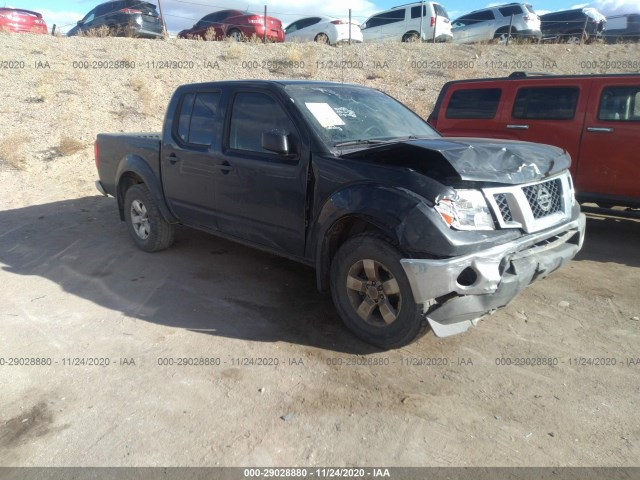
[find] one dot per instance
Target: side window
(415, 11)
(546, 103)
(511, 10)
(386, 18)
(197, 118)
(479, 103)
(252, 115)
(621, 104)
(291, 28)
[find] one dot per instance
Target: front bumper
(460, 290)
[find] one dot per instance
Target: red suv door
(547, 111)
(609, 156)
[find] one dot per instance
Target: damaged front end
(458, 291)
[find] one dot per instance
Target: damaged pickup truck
(407, 229)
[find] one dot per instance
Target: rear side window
(415, 11)
(479, 103)
(197, 118)
(546, 103)
(620, 104)
(511, 10)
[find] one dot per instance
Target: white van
(404, 23)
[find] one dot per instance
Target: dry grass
(11, 151)
(69, 146)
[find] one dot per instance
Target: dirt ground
(213, 354)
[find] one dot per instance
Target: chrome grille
(544, 198)
(505, 211)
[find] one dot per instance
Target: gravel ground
(74, 286)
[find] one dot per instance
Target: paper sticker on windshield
(326, 116)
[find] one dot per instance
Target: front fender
(133, 164)
(384, 208)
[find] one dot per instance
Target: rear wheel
(372, 293)
(146, 225)
(501, 37)
(574, 38)
(322, 38)
(411, 37)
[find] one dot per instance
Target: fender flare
(140, 168)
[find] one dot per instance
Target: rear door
(609, 160)
(547, 111)
(187, 158)
(260, 195)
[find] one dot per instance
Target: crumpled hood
(503, 161)
(471, 159)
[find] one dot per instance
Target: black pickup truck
(407, 229)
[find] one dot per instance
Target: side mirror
(276, 142)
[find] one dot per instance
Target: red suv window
(477, 103)
(546, 103)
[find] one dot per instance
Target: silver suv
(493, 24)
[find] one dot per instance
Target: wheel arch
(409, 34)
(337, 234)
(133, 170)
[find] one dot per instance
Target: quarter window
(546, 103)
(511, 10)
(479, 103)
(621, 104)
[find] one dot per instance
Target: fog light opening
(467, 277)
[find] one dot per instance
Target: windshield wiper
(370, 141)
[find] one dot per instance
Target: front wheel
(146, 225)
(235, 35)
(372, 293)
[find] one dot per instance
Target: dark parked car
(236, 25)
(18, 20)
(131, 18)
(406, 228)
(567, 25)
(623, 28)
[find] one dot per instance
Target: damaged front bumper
(459, 291)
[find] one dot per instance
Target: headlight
(467, 211)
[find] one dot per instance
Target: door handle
(225, 167)
(600, 129)
(518, 127)
(173, 158)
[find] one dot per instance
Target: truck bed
(113, 147)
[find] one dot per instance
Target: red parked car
(21, 21)
(596, 118)
(236, 25)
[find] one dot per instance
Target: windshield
(348, 116)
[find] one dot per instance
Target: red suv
(236, 25)
(596, 118)
(21, 21)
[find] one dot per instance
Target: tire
(501, 37)
(575, 38)
(235, 35)
(372, 295)
(411, 37)
(146, 225)
(322, 38)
